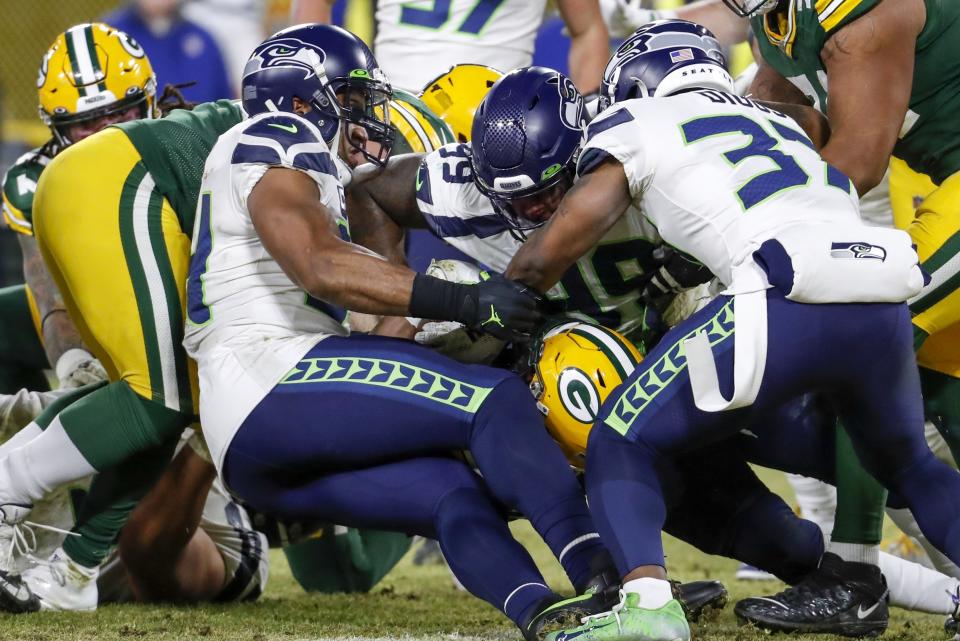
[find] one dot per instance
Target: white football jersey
(247, 323)
(718, 174)
(418, 41)
(602, 287)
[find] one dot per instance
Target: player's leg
(121, 269)
(186, 542)
(886, 426)
(394, 399)
(22, 359)
(726, 510)
(342, 559)
(436, 497)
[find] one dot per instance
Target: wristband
(437, 299)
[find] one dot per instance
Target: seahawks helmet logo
(288, 52)
(578, 395)
(857, 250)
(571, 105)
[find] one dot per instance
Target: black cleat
(16, 596)
(839, 597)
(699, 597)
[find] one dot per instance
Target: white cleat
(58, 583)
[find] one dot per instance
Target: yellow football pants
(115, 248)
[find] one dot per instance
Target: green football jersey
(20, 185)
(175, 148)
(929, 142)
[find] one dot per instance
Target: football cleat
(698, 598)
(55, 584)
(840, 597)
(747, 572)
(627, 621)
(952, 624)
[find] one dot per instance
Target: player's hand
(78, 367)
(630, 16)
(459, 342)
(677, 272)
(505, 309)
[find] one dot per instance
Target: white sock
(21, 438)
(28, 472)
(856, 552)
(905, 521)
(816, 499)
(654, 593)
(915, 587)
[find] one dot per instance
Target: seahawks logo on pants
(857, 250)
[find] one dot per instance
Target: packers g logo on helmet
(92, 70)
(578, 364)
(456, 94)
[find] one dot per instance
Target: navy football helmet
(332, 70)
(663, 58)
(526, 138)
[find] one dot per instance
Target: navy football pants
(361, 433)
(860, 356)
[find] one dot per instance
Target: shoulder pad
(286, 140)
(19, 188)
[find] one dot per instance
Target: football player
(305, 420)
(684, 129)
(122, 285)
(76, 101)
(419, 43)
(487, 224)
(818, 55)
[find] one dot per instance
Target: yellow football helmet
(92, 70)
(578, 364)
(456, 94)
(419, 129)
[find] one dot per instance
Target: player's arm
(769, 85)
(383, 206)
(728, 27)
(589, 42)
(869, 65)
(303, 11)
(59, 332)
(813, 123)
(591, 207)
(300, 233)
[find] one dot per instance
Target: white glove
(77, 367)
(459, 343)
(630, 16)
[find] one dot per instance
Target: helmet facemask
(526, 209)
(365, 102)
(751, 8)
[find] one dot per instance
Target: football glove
(677, 272)
(628, 16)
(77, 367)
(458, 342)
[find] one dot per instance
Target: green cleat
(627, 621)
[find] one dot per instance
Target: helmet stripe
(80, 54)
(611, 345)
(414, 123)
(95, 60)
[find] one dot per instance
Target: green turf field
(412, 603)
